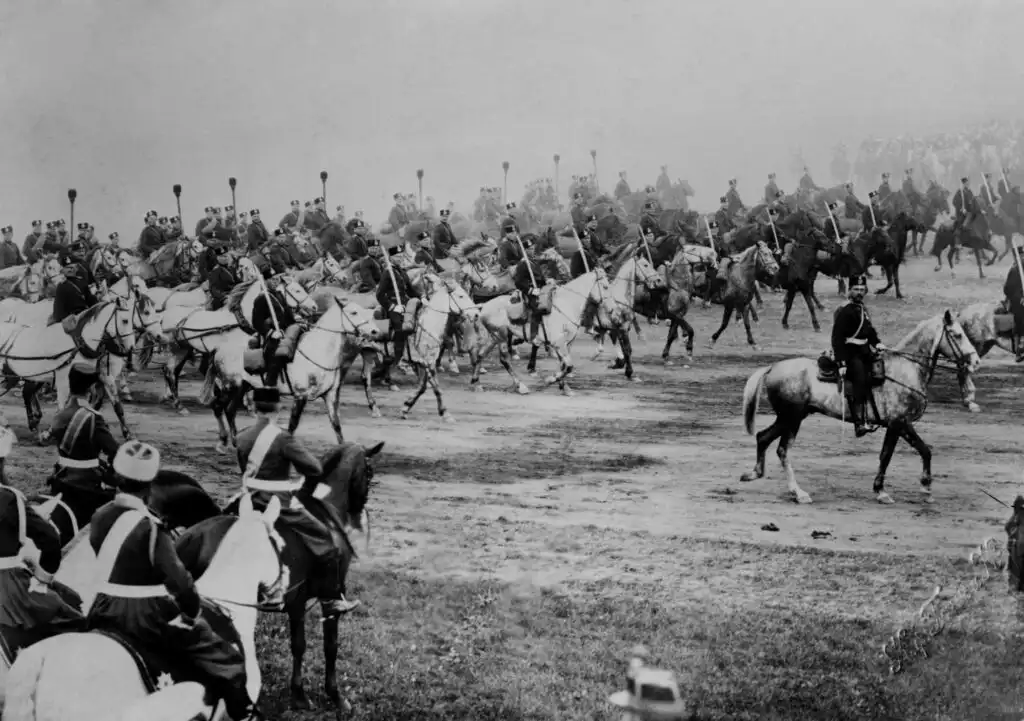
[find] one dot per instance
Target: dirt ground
(630, 492)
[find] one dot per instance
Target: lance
(711, 237)
(529, 265)
(323, 186)
(1016, 259)
(828, 207)
(871, 196)
(772, 212)
(270, 303)
(504, 192)
(643, 239)
(176, 189)
(232, 182)
(991, 195)
(583, 255)
(593, 157)
(1006, 182)
(419, 179)
(72, 194)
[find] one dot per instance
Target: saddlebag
(828, 369)
(516, 308)
(252, 361)
(290, 341)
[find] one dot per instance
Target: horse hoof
(549, 380)
(635, 379)
(516, 356)
(405, 415)
(532, 374)
(927, 497)
(668, 362)
(375, 412)
(755, 346)
(785, 326)
(447, 418)
(453, 368)
(802, 497)
(482, 370)
(567, 392)
(183, 412)
(522, 389)
(299, 701)
(220, 448)
(393, 388)
(127, 398)
(817, 329)
(884, 498)
(748, 477)
(973, 407)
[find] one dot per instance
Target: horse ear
(272, 512)
(947, 318)
(373, 450)
(245, 506)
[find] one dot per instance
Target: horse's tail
(206, 394)
(752, 396)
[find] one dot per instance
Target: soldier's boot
(332, 601)
(858, 409)
(588, 318)
(1018, 344)
(534, 326)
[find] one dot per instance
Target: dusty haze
(122, 99)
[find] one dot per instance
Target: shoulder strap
(114, 540)
(259, 450)
(74, 430)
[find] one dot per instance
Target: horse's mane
(471, 246)
(234, 298)
(618, 258)
(552, 256)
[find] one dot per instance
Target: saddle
(160, 668)
(828, 370)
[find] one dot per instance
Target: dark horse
(975, 237)
(798, 274)
(736, 283)
(348, 476)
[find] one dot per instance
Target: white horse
(558, 329)
(446, 299)
(988, 326)
(189, 330)
(313, 372)
(133, 292)
(40, 354)
(325, 271)
(30, 282)
(91, 676)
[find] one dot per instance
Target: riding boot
(534, 327)
(332, 601)
(272, 372)
(1018, 344)
(858, 409)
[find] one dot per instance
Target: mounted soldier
(317, 218)
(73, 295)
(398, 217)
(291, 219)
(884, 191)
(1003, 188)
(444, 236)
(872, 217)
(663, 184)
(334, 237)
(591, 244)
(32, 605)
(149, 597)
(9, 253)
(578, 211)
(508, 247)
(256, 236)
(530, 281)
(82, 436)
(77, 253)
(221, 278)
(854, 344)
(913, 196)
(854, 208)
(509, 207)
(806, 183)
(770, 189)
(358, 248)
(965, 206)
(396, 301)
(735, 205)
(151, 239)
(203, 222)
(723, 216)
(649, 218)
(267, 456)
(622, 187)
(28, 247)
(176, 232)
(278, 331)
(241, 229)
(1013, 289)
(424, 253)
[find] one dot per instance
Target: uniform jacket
(621, 189)
(333, 239)
(397, 218)
(72, 296)
(201, 225)
(1012, 288)
(724, 220)
(769, 192)
(964, 202)
(807, 183)
(290, 220)
(81, 434)
(852, 322)
(521, 275)
(910, 191)
(28, 248)
(884, 191)
(261, 319)
(579, 215)
(284, 454)
(1002, 189)
(734, 202)
(146, 558)
(356, 247)
(386, 293)
(9, 254)
(151, 239)
(509, 253)
(444, 239)
(256, 235)
(984, 196)
(222, 281)
(854, 207)
(865, 217)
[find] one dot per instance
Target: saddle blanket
(828, 370)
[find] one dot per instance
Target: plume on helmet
(473, 249)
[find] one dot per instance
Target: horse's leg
(236, 397)
(785, 439)
(298, 406)
(217, 405)
(626, 345)
(967, 390)
(330, 634)
(613, 338)
(765, 437)
(688, 330)
(297, 630)
(977, 257)
(33, 413)
(911, 436)
(896, 281)
(332, 402)
(512, 352)
(888, 279)
(172, 376)
(565, 368)
(745, 314)
(369, 361)
(807, 293)
(436, 387)
(757, 296)
(840, 286)
(531, 365)
(726, 315)
(790, 294)
(673, 333)
(421, 388)
(110, 388)
(892, 437)
(599, 339)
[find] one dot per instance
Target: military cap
(243, 214)
(577, 196)
(988, 175)
(771, 176)
(151, 214)
(359, 214)
(114, 236)
(228, 208)
(208, 209)
(219, 249)
(280, 231)
(909, 171)
(779, 194)
(649, 189)
(175, 219)
(49, 225)
(649, 205)
(527, 242)
(423, 235)
(591, 218)
(396, 196)
(965, 181)
(510, 206)
(833, 206)
(59, 222)
(394, 250)
(83, 226)
(296, 203)
(254, 212)
(732, 181)
(712, 224)
(317, 201)
(622, 173)
(723, 199)
(216, 210)
(444, 212)
(7, 229)
(885, 176)
(372, 243)
(340, 209)
(1006, 171)
(37, 224)
(872, 194)
(858, 281)
(76, 245)
(848, 186)
(163, 220)
(358, 223)
(309, 204)
(773, 212)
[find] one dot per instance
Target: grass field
(517, 556)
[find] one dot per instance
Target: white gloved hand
(399, 308)
(276, 334)
(182, 621)
(842, 371)
(881, 346)
(534, 292)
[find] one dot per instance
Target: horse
(673, 300)
(443, 300)
(30, 282)
(795, 390)
(146, 321)
(39, 355)
(173, 262)
(558, 328)
(797, 276)
(976, 238)
(313, 371)
(243, 565)
(1005, 220)
(936, 202)
(988, 325)
(324, 271)
(740, 277)
(189, 330)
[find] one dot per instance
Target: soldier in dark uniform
(395, 302)
(149, 596)
(206, 224)
(51, 241)
(854, 342)
(578, 210)
(398, 218)
(735, 205)
(883, 189)
(73, 296)
(910, 191)
(9, 253)
(163, 223)
(221, 279)
(271, 332)
(871, 216)
(806, 183)
(268, 474)
(175, 232)
(770, 189)
(319, 217)
(529, 278)
(81, 435)
(256, 235)
(28, 247)
(151, 239)
(592, 245)
(444, 236)
(60, 230)
(622, 187)
(965, 205)
(424, 253)
(648, 220)
(334, 237)
(361, 249)
(1013, 289)
(854, 208)
(30, 600)
(723, 217)
(508, 248)
(291, 219)
(77, 252)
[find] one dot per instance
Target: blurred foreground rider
(222, 279)
(81, 435)
(854, 342)
(149, 596)
(1013, 289)
(267, 454)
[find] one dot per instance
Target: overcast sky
(121, 99)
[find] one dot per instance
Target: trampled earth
(517, 555)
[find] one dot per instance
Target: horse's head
(51, 270)
(110, 324)
(951, 341)
(247, 270)
(557, 268)
(296, 296)
(764, 259)
(348, 477)
(332, 271)
(459, 301)
(359, 321)
(31, 285)
(645, 274)
(252, 553)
